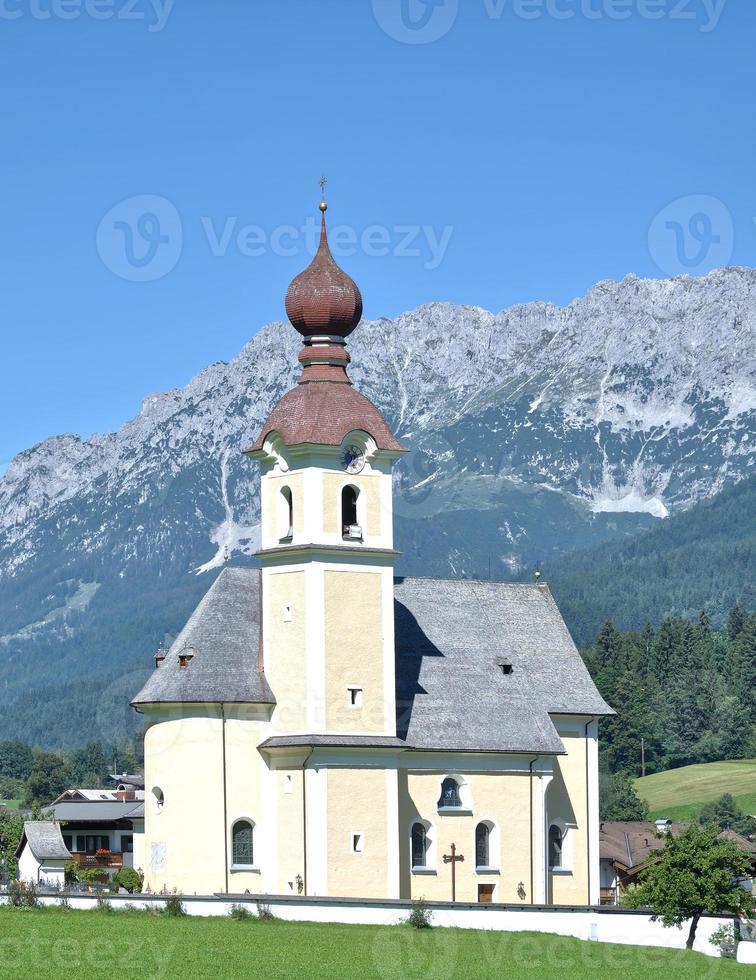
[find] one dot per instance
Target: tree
(697, 872)
(619, 801)
(88, 762)
(735, 620)
(632, 723)
(50, 776)
(11, 828)
(725, 814)
(16, 760)
(743, 665)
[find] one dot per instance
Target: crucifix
(452, 860)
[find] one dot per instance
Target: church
(321, 727)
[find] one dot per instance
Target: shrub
(64, 903)
(421, 916)
(22, 894)
(103, 905)
(724, 939)
(72, 870)
(264, 912)
(92, 876)
(128, 878)
(240, 913)
(174, 906)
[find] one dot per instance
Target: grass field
(50, 943)
(680, 793)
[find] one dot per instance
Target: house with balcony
(98, 828)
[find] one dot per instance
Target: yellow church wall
(367, 484)
(289, 821)
(502, 799)
(184, 758)
(246, 772)
(273, 485)
(566, 804)
(354, 650)
(285, 662)
(357, 804)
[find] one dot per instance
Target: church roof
(324, 412)
(452, 638)
(223, 637)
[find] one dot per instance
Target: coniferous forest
(684, 693)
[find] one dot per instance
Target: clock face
(354, 459)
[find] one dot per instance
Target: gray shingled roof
(451, 637)
(224, 632)
(45, 841)
(334, 741)
(96, 811)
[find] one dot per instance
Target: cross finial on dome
(323, 205)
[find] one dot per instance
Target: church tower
(326, 456)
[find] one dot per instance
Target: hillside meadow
(681, 793)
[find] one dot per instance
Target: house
(627, 847)
(99, 833)
(42, 854)
(357, 734)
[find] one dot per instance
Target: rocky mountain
(537, 431)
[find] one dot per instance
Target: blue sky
(160, 161)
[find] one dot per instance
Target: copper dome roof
(324, 299)
(323, 413)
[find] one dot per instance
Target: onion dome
(324, 300)
(325, 306)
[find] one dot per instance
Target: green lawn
(51, 943)
(680, 793)
(11, 804)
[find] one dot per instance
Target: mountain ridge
(537, 432)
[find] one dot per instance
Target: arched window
(555, 846)
(420, 844)
(287, 513)
(242, 841)
(349, 497)
(483, 846)
(449, 793)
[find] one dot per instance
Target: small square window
(358, 843)
(355, 697)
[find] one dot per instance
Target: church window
(242, 839)
(349, 523)
(419, 845)
(449, 793)
(355, 697)
(158, 799)
(287, 514)
(483, 845)
(556, 842)
(358, 843)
